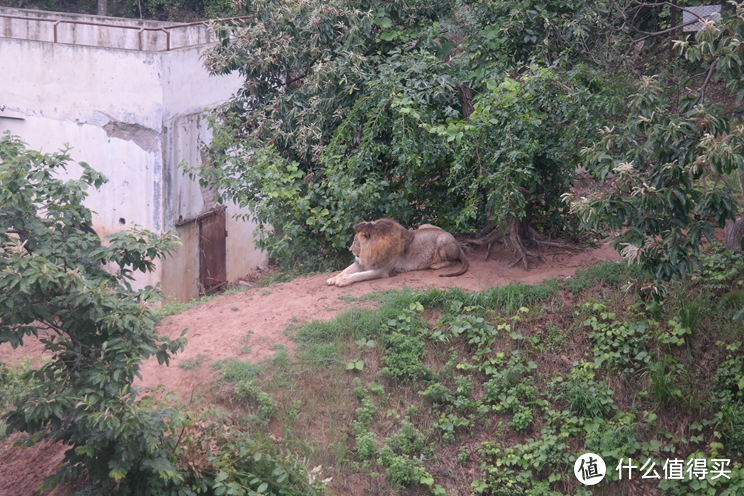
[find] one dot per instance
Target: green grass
(611, 273)
(175, 307)
(193, 363)
(232, 370)
(510, 381)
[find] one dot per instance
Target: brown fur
(383, 248)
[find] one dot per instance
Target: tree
(670, 159)
(348, 109)
(124, 439)
(97, 327)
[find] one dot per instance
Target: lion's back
(425, 248)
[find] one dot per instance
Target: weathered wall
(134, 116)
(118, 32)
(111, 117)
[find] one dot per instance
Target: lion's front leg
(346, 279)
(351, 269)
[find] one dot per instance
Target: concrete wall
(131, 34)
(134, 116)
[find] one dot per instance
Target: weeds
(416, 396)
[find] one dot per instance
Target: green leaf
(383, 22)
(445, 49)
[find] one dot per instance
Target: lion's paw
(331, 281)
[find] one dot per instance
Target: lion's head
(375, 242)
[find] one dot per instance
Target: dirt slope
(217, 329)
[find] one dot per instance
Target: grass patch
(175, 307)
(193, 363)
(439, 390)
(233, 370)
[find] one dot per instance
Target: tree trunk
(735, 230)
(467, 102)
(102, 7)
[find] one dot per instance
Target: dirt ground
(217, 330)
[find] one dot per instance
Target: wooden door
(212, 251)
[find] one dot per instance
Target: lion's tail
(465, 265)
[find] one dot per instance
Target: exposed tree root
(517, 236)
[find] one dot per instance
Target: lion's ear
(363, 227)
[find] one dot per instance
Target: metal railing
(141, 29)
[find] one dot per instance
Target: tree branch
(712, 68)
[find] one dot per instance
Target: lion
(383, 248)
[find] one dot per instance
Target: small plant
(294, 410)
(623, 344)
(583, 395)
(690, 315)
(235, 371)
(366, 446)
(401, 470)
(265, 292)
(193, 363)
(408, 440)
(404, 356)
(364, 342)
(662, 376)
(522, 419)
(364, 416)
(438, 393)
(478, 332)
(234, 309)
(448, 423)
(719, 267)
(190, 364)
(463, 455)
(355, 364)
(266, 405)
(281, 356)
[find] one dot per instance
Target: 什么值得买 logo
(590, 469)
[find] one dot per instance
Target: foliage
(582, 394)
(621, 343)
(92, 321)
(404, 357)
(404, 349)
(239, 465)
(521, 135)
(125, 439)
(668, 160)
(15, 383)
(235, 371)
(265, 404)
(358, 110)
(719, 266)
